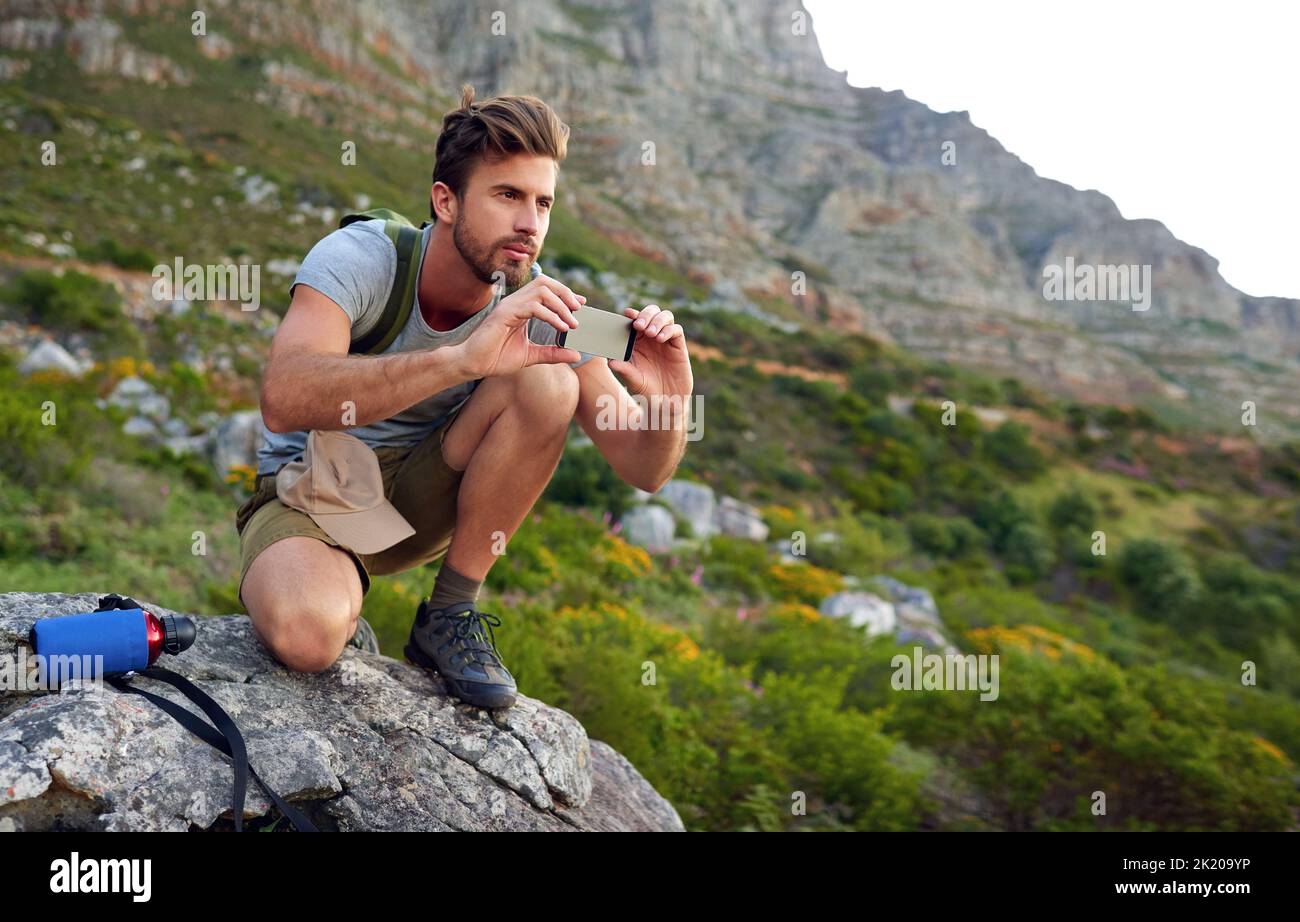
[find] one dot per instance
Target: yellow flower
(804, 581)
(782, 517)
(796, 611)
(48, 376)
(1270, 748)
(635, 560)
(612, 608)
(1030, 638)
(549, 562)
(243, 474)
(686, 648)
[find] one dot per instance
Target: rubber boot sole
(475, 693)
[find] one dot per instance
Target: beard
(487, 260)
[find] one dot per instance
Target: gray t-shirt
(354, 266)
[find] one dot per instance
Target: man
(465, 413)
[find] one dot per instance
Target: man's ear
(450, 204)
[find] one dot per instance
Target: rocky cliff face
(766, 162)
(370, 744)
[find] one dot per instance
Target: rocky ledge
(369, 744)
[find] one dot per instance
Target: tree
(1161, 577)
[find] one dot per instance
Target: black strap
(229, 740)
(400, 296)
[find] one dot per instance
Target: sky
(1185, 112)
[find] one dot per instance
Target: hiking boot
(453, 642)
(364, 638)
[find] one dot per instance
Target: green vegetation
(72, 303)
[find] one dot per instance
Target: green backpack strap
(401, 298)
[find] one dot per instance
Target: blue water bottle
(128, 638)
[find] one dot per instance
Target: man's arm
(310, 378)
(643, 457)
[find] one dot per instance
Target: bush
(942, 536)
(566, 260)
(109, 250)
(73, 302)
(1028, 553)
(998, 515)
(734, 563)
(1072, 511)
(1245, 605)
(1008, 446)
(1161, 577)
(1165, 749)
(584, 478)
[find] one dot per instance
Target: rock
(649, 526)
(139, 397)
(50, 356)
(909, 595)
(215, 46)
(13, 68)
(900, 405)
(692, 501)
(257, 189)
(990, 416)
(369, 744)
(287, 267)
(916, 613)
(21, 34)
(140, 426)
(861, 608)
(97, 47)
(927, 637)
(785, 548)
(175, 428)
(739, 520)
(236, 439)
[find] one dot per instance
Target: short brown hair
(497, 127)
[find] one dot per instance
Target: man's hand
(660, 364)
(500, 344)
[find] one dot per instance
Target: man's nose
(526, 221)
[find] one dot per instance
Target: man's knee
(547, 393)
(304, 598)
(305, 636)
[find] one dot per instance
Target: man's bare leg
(508, 440)
(303, 597)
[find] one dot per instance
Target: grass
(1133, 508)
(143, 546)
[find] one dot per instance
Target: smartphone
(600, 332)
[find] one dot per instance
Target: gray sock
(452, 586)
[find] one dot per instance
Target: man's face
(507, 204)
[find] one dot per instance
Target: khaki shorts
(416, 480)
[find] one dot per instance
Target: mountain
(765, 161)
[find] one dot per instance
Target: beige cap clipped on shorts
(338, 484)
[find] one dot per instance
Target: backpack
(405, 237)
